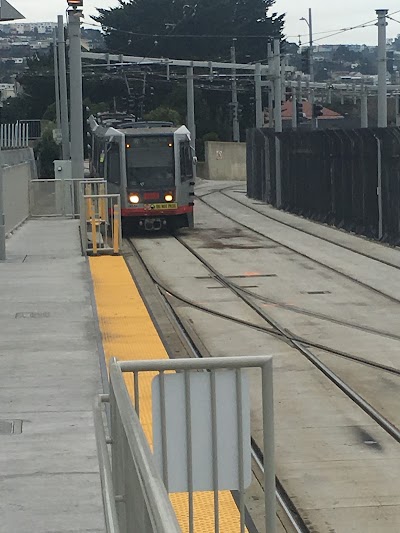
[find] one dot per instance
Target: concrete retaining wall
(224, 161)
(18, 170)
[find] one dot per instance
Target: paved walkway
(49, 375)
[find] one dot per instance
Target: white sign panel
(227, 459)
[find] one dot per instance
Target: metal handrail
(158, 504)
(110, 512)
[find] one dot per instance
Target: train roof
(149, 131)
(135, 129)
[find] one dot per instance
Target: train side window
(114, 165)
(186, 162)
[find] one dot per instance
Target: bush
(46, 152)
(212, 136)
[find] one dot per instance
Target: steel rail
(287, 505)
(167, 292)
(302, 230)
(301, 254)
(385, 424)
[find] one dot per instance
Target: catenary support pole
(277, 86)
(76, 109)
(270, 87)
(56, 80)
(259, 106)
(190, 105)
(191, 111)
(382, 68)
(314, 121)
(235, 104)
(62, 70)
(364, 109)
(294, 109)
(278, 119)
(397, 100)
(299, 89)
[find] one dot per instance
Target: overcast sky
(327, 15)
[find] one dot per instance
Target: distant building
(7, 90)
(288, 110)
(21, 28)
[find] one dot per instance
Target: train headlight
(134, 198)
(168, 197)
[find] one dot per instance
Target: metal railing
(35, 128)
(14, 136)
(136, 482)
(100, 219)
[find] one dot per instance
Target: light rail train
(150, 164)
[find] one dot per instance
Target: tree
(165, 114)
(191, 29)
(396, 43)
(343, 54)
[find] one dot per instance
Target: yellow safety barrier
(117, 217)
(100, 223)
(94, 233)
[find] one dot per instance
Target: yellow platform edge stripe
(128, 333)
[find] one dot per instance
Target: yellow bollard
(94, 231)
(116, 214)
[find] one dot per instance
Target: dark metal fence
(35, 128)
(347, 178)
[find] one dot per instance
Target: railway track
(277, 329)
(168, 292)
(291, 339)
(348, 277)
(292, 515)
(224, 190)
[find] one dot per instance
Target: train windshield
(150, 162)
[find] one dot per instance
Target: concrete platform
(49, 376)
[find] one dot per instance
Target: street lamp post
(311, 63)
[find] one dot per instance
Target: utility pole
(56, 80)
(259, 106)
(62, 70)
(235, 103)
(382, 68)
(75, 68)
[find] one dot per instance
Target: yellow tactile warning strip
(128, 334)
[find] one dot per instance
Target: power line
(179, 35)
